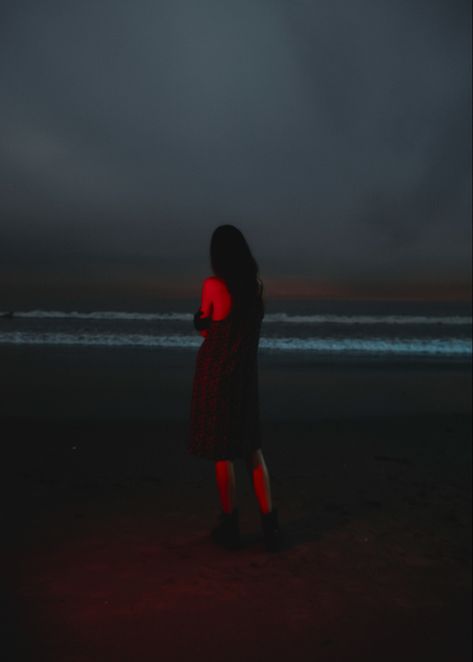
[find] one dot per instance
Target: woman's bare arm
(207, 298)
(206, 303)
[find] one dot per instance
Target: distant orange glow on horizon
(299, 288)
(49, 290)
(302, 289)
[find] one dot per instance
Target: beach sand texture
(105, 527)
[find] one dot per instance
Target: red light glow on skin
(225, 474)
(216, 301)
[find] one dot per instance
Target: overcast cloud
(336, 134)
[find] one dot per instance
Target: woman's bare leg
(259, 473)
(225, 473)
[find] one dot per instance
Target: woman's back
(216, 299)
(225, 407)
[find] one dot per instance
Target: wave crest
(271, 318)
(458, 347)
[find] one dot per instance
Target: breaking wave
(272, 318)
(453, 347)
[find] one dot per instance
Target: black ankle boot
(227, 532)
(271, 531)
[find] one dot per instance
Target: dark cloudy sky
(335, 133)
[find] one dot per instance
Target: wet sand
(106, 519)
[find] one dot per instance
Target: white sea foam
(99, 339)
(455, 320)
(100, 315)
(271, 318)
(458, 347)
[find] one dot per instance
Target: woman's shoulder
(215, 283)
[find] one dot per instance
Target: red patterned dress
(225, 417)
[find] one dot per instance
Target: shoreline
(92, 383)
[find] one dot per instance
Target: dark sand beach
(105, 518)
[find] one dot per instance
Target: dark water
(328, 328)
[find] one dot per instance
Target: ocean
(384, 330)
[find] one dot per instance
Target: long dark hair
(233, 262)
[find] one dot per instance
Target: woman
(225, 423)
